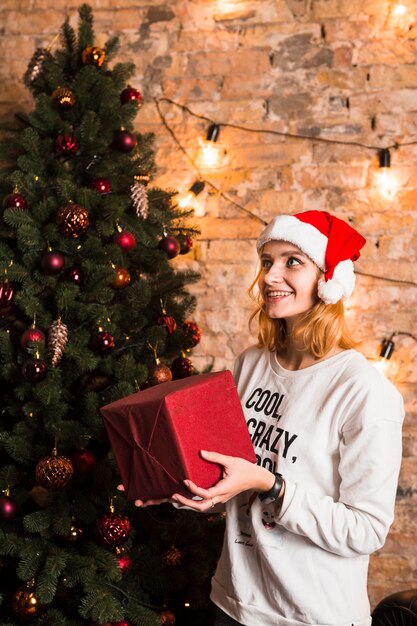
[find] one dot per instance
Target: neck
(296, 357)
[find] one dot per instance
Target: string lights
(387, 184)
(387, 349)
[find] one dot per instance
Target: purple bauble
(74, 275)
(52, 262)
(170, 246)
(34, 370)
(7, 508)
(124, 141)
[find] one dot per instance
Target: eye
(266, 264)
(293, 261)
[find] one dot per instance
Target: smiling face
(288, 280)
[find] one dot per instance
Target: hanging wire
(187, 109)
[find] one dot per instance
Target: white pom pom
(340, 286)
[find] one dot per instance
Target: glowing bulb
(399, 10)
(187, 200)
(387, 183)
(210, 154)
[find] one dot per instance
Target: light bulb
(399, 10)
(387, 183)
(210, 154)
(188, 198)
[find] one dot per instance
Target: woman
(326, 429)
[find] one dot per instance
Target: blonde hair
(322, 328)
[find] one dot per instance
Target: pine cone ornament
(140, 200)
(35, 70)
(57, 340)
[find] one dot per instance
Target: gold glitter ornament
(54, 472)
(173, 557)
(73, 220)
(64, 98)
(93, 56)
(25, 603)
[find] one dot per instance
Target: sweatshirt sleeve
(370, 459)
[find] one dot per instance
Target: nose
(274, 275)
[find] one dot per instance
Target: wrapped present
(157, 434)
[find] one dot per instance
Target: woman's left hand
(238, 475)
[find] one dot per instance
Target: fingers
(120, 488)
(198, 505)
(215, 457)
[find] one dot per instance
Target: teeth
(278, 294)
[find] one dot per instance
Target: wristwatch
(267, 497)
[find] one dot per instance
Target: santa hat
(331, 243)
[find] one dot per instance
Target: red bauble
(130, 94)
(125, 240)
(125, 563)
(67, 144)
(52, 262)
(7, 508)
(102, 185)
(181, 367)
(124, 141)
(83, 461)
(34, 370)
(113, 529)
(6, 293)
(170, 246)
(102, 343)
(15, 201)
(169, 323)
(186, 243)
(74, 274)
(192, 334)
(32, 334)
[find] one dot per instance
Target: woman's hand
(144, 503)
(238, 475)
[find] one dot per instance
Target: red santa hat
(330, 242)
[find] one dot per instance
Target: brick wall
(323, 68)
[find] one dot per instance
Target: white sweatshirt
(333, 430)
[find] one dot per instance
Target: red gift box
(156, 434)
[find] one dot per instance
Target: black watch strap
(267, 497)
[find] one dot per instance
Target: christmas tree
(91, 309)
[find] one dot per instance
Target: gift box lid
(156, 434)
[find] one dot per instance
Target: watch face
(269, 500)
